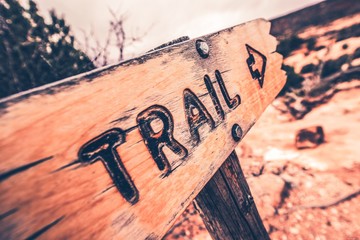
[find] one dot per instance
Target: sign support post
(227, 206)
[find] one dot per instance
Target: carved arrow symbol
(253, 61)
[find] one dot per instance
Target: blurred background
(302, 157)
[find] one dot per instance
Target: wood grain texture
(47, 170)
(227, 206)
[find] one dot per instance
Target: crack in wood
(76, 161)
(120, 119)
(8, 213)
(107, 189)
(42, 230)
(23, 168)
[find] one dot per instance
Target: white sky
(165, 20)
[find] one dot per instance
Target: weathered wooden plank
(121, 151)
(227, 206)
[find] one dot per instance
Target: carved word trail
(103, 147)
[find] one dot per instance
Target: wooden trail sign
(121, 151)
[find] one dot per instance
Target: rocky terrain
(312, 192)
(301, 194)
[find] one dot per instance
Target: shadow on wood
(227, 207)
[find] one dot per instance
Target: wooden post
(227, 207)
(119, 152)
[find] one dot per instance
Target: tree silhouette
(34, 52)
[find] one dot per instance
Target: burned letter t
(103, 148)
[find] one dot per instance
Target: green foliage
(349, 32)
(286, 46)
(333, 66)
(357, 53)
(318, 48)
(311, 42)
(34, 52)
(294, 81)
(293, 43)
(309, 68)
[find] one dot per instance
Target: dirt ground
(301, 194)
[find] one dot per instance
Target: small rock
(309, 137)
(334, 211)
(298, 217)
(276, 154)
(294, 231)
(309, 184)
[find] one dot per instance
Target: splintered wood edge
(11, 107)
